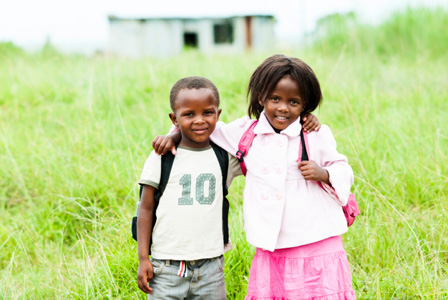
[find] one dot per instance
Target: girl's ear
(173, 119)
(260, 100)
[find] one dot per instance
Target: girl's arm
(311, 171)
(226, 136)
(164, 143)
(327, 158)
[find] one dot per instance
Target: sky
(82, 25)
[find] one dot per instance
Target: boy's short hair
(192, 82)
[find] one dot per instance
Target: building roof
(142, 19)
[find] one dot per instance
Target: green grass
(75, 132)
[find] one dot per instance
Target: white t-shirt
(189, 215)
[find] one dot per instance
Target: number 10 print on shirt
(185, 182)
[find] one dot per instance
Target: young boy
(188, 236)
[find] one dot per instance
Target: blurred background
(103, 26)
(84, 88)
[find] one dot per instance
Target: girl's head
(290, 75)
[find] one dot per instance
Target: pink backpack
(350, 210)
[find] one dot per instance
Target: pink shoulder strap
(244, 145)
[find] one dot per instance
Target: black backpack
(167, 164)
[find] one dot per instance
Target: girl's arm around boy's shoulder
(228, 135)
(327, 156)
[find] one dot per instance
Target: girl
(292, 209)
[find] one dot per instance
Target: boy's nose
(199, 119)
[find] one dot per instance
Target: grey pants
(204, 280)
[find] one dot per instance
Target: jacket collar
(264, 127)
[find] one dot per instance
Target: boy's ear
(173, 119)
(219, 112)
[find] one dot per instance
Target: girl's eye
(275, 98)
(294, 102)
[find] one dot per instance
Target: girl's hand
(310, 123)
(162, 144)
(311, 171)
(145, 274)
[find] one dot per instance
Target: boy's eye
(208, 113)
(188, 114)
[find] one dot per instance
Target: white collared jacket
(281, 208)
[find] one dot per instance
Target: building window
(191, 39)
(223, 33)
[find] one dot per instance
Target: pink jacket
(281, 209)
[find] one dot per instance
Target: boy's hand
(162, 144)
(145, 274)
(310, 123)
(311, 171)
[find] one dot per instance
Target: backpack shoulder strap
(223, 159)
(303, 149)
(166, 165)
(244, 145)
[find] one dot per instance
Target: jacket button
(264, 196)
(278, 196)
(265, 170)
(278, 170)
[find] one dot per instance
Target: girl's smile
(284, 104)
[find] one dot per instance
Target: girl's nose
(282, 107)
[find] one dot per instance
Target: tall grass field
(75, 132)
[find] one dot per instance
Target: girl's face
(284, 104)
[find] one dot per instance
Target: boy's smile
(284, 104)
(196, 113)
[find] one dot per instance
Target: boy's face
(195, 112)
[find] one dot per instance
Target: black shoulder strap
(304, 153)
(223, 159)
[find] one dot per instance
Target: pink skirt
(317, 271)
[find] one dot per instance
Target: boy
(188, 236)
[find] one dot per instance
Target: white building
(159, 37)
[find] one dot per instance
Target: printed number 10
(185, 182)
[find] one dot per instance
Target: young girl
(292, 209)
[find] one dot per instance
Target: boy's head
(195, 104)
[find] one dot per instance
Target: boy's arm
(164, 143)
(144, 231)
(310, 123)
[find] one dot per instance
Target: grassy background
(75, 132)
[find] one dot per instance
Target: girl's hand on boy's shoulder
(312, 171)
(162, 144)
(310, 123)
(145, 274)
